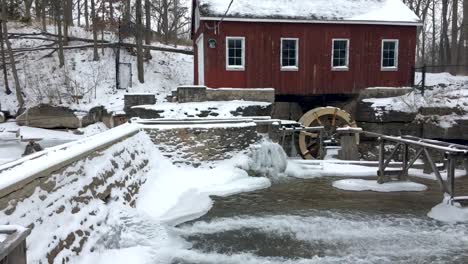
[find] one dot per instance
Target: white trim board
(304, 21)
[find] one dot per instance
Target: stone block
(245, 94)
(455, 132)
(441, 111)
(46, 116)
(384, 92)
(393, 129)
(366, 113)
(131, 100)
(188, 94)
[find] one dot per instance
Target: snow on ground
(361, 10)
(447, 212)
(182, 110)
(371, 185)
(44, 82)
(13, 149)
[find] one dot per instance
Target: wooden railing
(13, 244)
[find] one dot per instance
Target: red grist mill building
(304, 47)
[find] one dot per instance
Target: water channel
(308, 221)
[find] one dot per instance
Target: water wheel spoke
(334, 118)
(308, 134)
(318, 119)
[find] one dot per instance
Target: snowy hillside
(83, 83)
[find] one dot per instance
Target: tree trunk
(86, 13)
(27, 10)
(148, 28)
(19, 92)
(165, 20)
(58, 19)
(79, 12)
(38, 9)
(93, 17)
(465, 32)
(139, 41)
(444, 36)
(5, 71)
(127, 14)
(43, 13)
(111, 10)
(433, 34)
(454, 46)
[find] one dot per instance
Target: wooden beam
(436, 171)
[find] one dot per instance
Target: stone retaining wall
(186, 94)
(191, 145)
(63, 205)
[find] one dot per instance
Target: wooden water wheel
(331, 118)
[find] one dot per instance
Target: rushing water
(308, 221)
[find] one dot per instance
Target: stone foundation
(192, 145)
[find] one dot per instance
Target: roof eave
(311, 21)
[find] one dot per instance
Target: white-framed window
(389, 61)
(289, 54)
(340, 54)
(235, 53)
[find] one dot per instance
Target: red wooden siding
(262, 69)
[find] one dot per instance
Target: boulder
(47, 116)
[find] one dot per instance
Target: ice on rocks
(372, 185)
(450, 213)
(267, 159)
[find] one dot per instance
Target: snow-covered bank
(445, 90)
(186, 190)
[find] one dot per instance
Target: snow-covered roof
(344, 11)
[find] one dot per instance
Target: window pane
(339, 53)
(389, 54)
(235, 50)
(238, 53)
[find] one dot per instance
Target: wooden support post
(395, 150)
(404, 173)
(381, 172)
(443, 187)
(349, 150)
(321, 142)
(451, 175)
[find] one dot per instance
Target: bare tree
(5, 71)
(19, 92)
(58, 18)
(86, 13)
(139, 41)
(27, 10)
(148, 31)
(454, 46)
(94, 20)
(465, 29)
(111, 11)
(43, 13)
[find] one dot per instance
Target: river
(308, 221)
